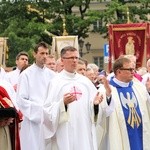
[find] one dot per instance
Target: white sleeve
(54, 112)
(107, 109)
(32, 110)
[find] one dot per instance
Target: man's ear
(118, 71)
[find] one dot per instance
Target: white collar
(120, 83)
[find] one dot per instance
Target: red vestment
(5, 102)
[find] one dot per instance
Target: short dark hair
(41, 44)
(119, 63)
(20, 54)
(67, 48)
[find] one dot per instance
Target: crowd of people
(69, 104)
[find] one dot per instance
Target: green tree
(25, 23)
(20, 28)
(116, 13)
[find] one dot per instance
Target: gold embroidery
(8, 101)
(133, 119)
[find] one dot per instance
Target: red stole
(6, 102)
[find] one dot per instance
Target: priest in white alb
(69, 108)
(128, 126)
(31, 93)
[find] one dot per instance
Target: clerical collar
(120, 83)
(68, 73)
(39, 67)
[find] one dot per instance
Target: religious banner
(3, 51)
(128, 39)
(60, 42)
(148, 41)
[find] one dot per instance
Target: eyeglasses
(72, 58)
(129, 69)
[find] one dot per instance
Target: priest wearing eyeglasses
(128, 125)
(69, 107)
